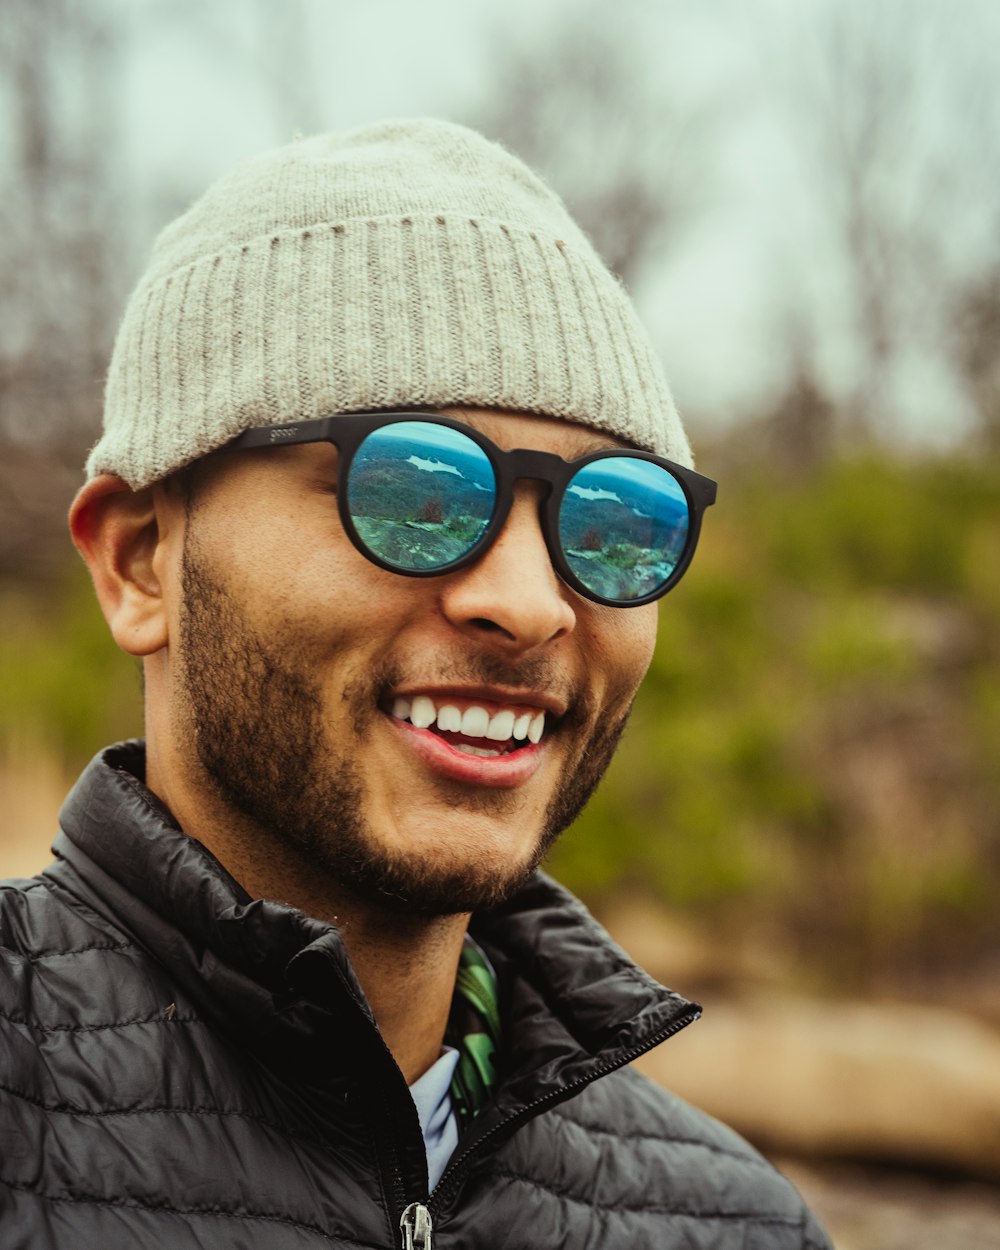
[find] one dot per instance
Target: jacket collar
(573, 1003)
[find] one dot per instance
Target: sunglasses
(425, 495)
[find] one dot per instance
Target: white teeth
(500, 727)
(475, 722)
(471, 750)
(423, 712)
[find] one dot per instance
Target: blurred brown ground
(32, 789)
(866, 1209)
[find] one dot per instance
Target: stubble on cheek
(581, 779)
(255, 716)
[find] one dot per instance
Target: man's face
(304, 676)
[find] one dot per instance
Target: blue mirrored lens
(420, 495)
(623, 526)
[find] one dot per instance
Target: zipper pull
(416, 1226)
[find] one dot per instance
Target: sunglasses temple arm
(703, 489)
(313, 431)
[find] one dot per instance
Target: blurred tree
(265, 45)
(797, 432)
(61, 261)
(863, 109)
(974, 343)
(69, 232)
(898, 114)
(584, 107)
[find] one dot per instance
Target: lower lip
(502, 772)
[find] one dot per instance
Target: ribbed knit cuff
(407, 263)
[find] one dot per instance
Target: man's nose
(512, 596)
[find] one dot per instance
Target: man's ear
(118, 531)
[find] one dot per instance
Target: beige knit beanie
(406, 263)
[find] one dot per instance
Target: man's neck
(406, 964)
(407, 971)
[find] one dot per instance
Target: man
(388, 488)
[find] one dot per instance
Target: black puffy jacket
(184, 1067)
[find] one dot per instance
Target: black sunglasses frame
(349, 430)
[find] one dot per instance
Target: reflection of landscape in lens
(420, 494)
(623, 525)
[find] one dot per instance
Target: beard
(261, 736)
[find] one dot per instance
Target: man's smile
(482, 741)
(507, 726)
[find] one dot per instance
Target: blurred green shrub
(66, 686)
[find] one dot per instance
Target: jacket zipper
(416, 1227)
(416, 1223)
(453, 1170)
